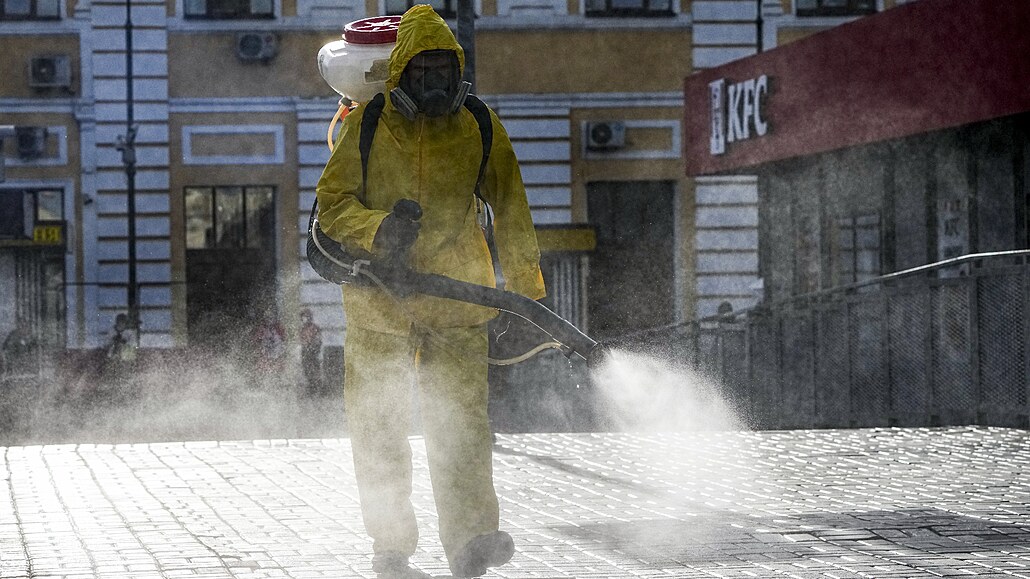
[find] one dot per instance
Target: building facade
(225, 131)
(893, 203)
(726, 213)
(198, 128)
(912, 158)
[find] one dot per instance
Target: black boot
(489, 550)
(394, 565)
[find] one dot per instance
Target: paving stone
(874, 503)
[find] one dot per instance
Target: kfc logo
(737, 111)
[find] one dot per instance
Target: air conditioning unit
(51, 71)
(257, 46)
(606, 135)
(31, 142)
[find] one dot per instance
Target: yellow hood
(420, 29)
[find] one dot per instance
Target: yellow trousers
(451, 375)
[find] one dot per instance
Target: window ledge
(197, 18)
(37, 26)
(834, 13)
(631, 14)
(580, 21)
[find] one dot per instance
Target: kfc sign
(737, 111)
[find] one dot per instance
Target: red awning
(924, 66)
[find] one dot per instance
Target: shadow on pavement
(563, 465)
(714, 537)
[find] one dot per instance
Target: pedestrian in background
(121, 349)
(119, 364)
(20, 354)
(311, 352)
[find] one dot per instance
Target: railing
(941, 344)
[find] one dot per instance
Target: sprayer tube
(445, 287)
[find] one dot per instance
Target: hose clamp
(358, 265)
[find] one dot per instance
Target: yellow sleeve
(341, 214)
(513, 224)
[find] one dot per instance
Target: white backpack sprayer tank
(357, 66)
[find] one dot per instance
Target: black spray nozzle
(599, 355)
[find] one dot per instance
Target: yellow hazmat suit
(434, 161)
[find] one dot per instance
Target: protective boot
(490, 550)
(394, 565)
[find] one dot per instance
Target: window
(629, 8)
(445, 8)
(229, 217)
(49, 205)
(30, 9)
(229, 9)
(23, 211)
(857, 248)
(835, 7)
(807, 272)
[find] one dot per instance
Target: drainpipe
(759, 25)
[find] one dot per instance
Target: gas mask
(430, 84)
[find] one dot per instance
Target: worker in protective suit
(417, 201)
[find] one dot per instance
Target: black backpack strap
(369, 123)
(481, 113)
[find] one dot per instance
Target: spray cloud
(642, 392)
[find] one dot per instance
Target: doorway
(230, 263)
(32, 278)
(631, 284)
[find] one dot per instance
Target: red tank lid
(375, 30)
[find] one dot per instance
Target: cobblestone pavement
(880, 503)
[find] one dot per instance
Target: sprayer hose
(524, 357)
(340, 113)
(415, 321)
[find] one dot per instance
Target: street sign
(48, 235)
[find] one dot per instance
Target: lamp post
(127, 146)
(759, 27)
(467, 38)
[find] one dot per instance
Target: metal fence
(941, 344)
